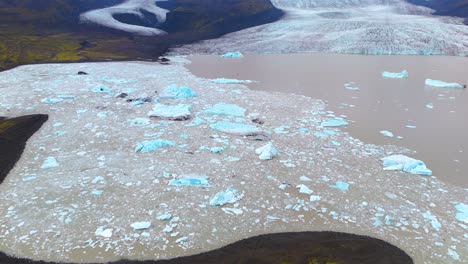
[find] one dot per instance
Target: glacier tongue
(352, 26)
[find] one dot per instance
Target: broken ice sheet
(442, 84)
(406, 164)
(395, 75)
(178, 112)
(267, 152)
(225, 109)
(432, 218)
(173, 92)
(190, 180)
(140, 225)
(152, 145)
(231, 195)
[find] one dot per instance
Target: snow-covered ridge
(105, 16)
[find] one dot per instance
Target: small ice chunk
(139, 121)
(101, 89)
(343, 186)
(51, 100)
(178, 112)
(225, 109)
(434, 222)
(235, 54)
(304, 178)
(386, 133)
(395, 75)
(230, 81)
(233, 211)
(430, 106)
(442, 84)
(304, 189)
(181, 240)
(229, 196)
(165, 217)
(152, 145)
(195, 180)
(237, 129)
(462, 212)
(267, 152)
(140, 225)
(315, 198)
(50, 162)
(351, 86)
(175, 92)
(410, 126)
(102, 231)
(406, 164)
(334, 122)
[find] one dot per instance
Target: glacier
(352, 26)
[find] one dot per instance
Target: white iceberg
(239, 129)
(304, 189)
(267, 152)
(50, 162)
(442, 84)
(395, 75)
(406, 164)
(178, 112)
(229, 196)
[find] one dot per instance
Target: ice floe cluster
(136, 165)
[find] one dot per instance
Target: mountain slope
(457, 8)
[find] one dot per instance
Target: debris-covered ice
(395, 75)
(442, 84)
(234, 54)
(406, 164)
(231, 195)
(178, 112)
(267, 152)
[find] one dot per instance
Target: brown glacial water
(440, 136)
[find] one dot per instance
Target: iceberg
(175, 92)
(229, 196)
(197, 181)
(267, 152)
(462, 212)
(430, 106)
(140, 225)
(351, 86)
(50, 162)
(152, 145)
(334, 122)
(178, 112)
(395, 75)
(442, 84)
(238, 129)
(387, 133)
(235, 54)
(102, 231)
(230, 81)
(165, 217)
(304, 189)
(406, 164)
(343, 186)
(225, 109)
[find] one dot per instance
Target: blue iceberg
(343, 186)
(225, 109)
(442, 84)
(334, 122)
(152, 145)
(229, 196)
(235, 54)
(406, 164)
(462, 212)
(395, 75)
(178, 112)
(196, 181)
(174, 92)
(351, 86)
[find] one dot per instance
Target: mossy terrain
(40, 31)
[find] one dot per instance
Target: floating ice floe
(165, 217)
(395, 75)
(196, 181)
(174, 92)
(239, 129)
(334, 122)
(410, 126)
(343, 186)
(50, 162)
(235, 54)
(462, 212)
(430, 106)
(229, 196)
(406, 164)
(225, 109)
(152, 145)
(304, 189)
(102, 231)
(267, 152)
(387, 133)
(230, 81)
(178, 112)
(442, 84)
(351, 86)
(140, 225)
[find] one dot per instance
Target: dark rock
(82, 73)
(258, 121)
(122, 95)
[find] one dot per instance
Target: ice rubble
(225, 109)
(406, 164)
(235, 54)
(152, 145)
(231, 195)
(267, 152)
(178, 112)
(174, 92)
(230, 81)
(105, 16)
(395, 75)
(442, 84)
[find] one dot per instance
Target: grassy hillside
(38, 31)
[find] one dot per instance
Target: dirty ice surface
(56, 214)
